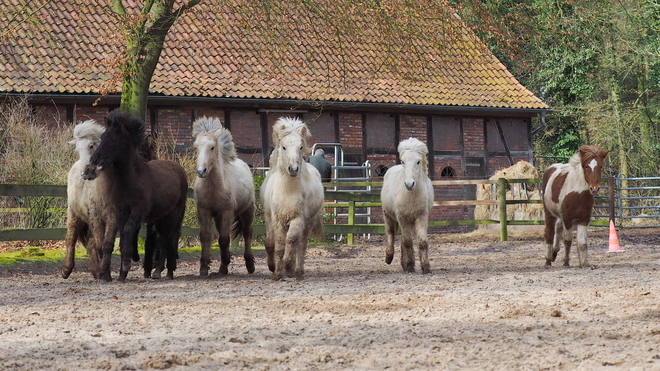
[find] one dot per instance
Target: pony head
(214, 144)
(290, 141)
(87, 136)
(412, 153)
(123, 135)
(591, 159)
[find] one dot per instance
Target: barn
(473, 114)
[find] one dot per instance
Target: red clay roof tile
(213, 55)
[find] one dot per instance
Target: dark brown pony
(568, 199)
(151, 192)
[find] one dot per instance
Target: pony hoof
(66, 273)
(203, 272)
(122, 275)
(169, 275)
(223, 270)
(426, 270)
(249, 264)
(136, 257)
(388, 259)
(409, 269)
(156, 275)
(105, 278)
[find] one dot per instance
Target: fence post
(501, 194)
(351, 219)
(610, 198)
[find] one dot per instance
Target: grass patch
(32, 254)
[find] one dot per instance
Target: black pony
(152, 192)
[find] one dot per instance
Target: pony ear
(305, 132)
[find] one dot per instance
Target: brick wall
(413, 127)
(473, 134)
(174, 129)
(442, 162)
(350, 130)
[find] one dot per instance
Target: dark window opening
(448, 172)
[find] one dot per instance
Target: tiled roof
(210, 53)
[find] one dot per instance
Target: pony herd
(116, 186)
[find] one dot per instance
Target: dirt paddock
(487, 305)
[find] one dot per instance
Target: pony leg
(73, 230)
(421, 231)
(279, 240)
(248, 231)
(173, 250)
(407, 252)
(549, 235)
(126, 238)
(204, 216)
(559, 233)
(568, 240)
(294, 252)
(106, 248)
(150, 246)
(391, 226)
(582, 245)
(269, 244)
(223, 225)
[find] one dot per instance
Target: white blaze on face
(593, 164)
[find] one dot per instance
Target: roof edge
(286, 104)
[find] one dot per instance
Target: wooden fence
(334, 199)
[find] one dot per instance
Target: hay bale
(517, 191)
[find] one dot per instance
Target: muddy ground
(488, 305)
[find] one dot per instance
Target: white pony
(292, 196)
(224, 192)
(407, 199)
(87, 136)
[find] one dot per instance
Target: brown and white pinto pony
(568, 199)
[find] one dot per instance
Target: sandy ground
(487, 305)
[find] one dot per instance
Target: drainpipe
(542, 127)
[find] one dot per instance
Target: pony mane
(206, 125)
(213, 126)
(416, 145)
(226, 144)
(585, 153)
(287, 125)
(132, 124)
(89, 129)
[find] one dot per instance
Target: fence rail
(334, 199)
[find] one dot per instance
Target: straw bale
(521, 170)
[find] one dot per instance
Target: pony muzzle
(410, 184)
(594, 189)
(293, 170)
(89, 173)
(202, 173)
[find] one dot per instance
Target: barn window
(448, 172)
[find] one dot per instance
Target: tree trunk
(144, 43)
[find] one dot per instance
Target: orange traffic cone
(614, 240)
